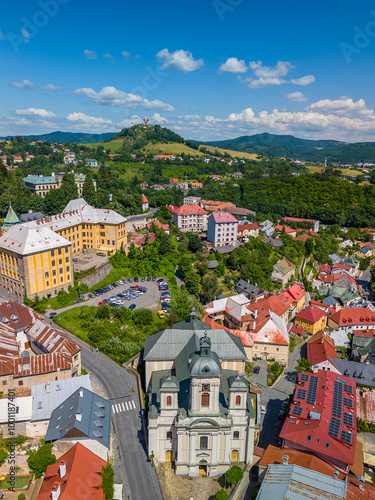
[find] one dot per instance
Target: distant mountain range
(288, 146)
(71, 137)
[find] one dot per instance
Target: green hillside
(70, 137)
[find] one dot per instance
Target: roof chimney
(336, 474)
(62, 468)
(256, 313)
(55, 492)
(285, 459)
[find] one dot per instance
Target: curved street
(132, 467)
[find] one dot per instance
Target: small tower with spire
(11, 219)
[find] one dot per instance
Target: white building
(222, 229)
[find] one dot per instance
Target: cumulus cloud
(126, 54)
(341, 106)
(113, 97)
(179, 60)
(107, 56)
(158, 119)
(25, 84)
(35, 112)
(233, 65)
(90, 54)
(282, 68)
(129, 122)
(258, 83)
(296, 97)
(87, 120)
(305, 80)
(50, 86)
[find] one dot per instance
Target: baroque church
(201, 418)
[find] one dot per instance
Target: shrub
(221, 495)
(38, 461)
(21, 496)
(108, 476)
(234, 474)
(3, 456)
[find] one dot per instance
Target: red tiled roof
(303, 237)
(278, 304)
(295, 292)
(320, 347)
(326, 278)
(353, 316)
(82, 477)
(274, 455)
(43, 363)
(298, 219)
(189, 210)
(366, 405)
(325, 268)
(223, 217)
(341, 266)
(354, 493)
(324, 307)
(311, 314)
(298, 330)
(249, 227)
(364, 333)
(343, 280)
(144, 199)
(244, 336)
(6, 366)
(20, 314)
(287, 229)
(309, 431)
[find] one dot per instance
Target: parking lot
(149, 300)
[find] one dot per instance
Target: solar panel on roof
(334, 427)
(313, 387)
(348, 389)
(305, 377)
(337, 400)
(346, 436)
(348, 419)
(297, 411)
(301, 394)
(348, 402)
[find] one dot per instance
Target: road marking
(123, 406)
(126, 404)
(113, 409)
(133, 405)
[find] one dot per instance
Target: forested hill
(149, 133)
(69, 137)
(289, 146)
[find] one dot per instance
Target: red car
(100, 303)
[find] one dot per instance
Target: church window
(205, 399)
(204, 442)
(236, 435)
(169, 434)
(238, 400)
(169, 400)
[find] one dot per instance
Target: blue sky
(207, 69)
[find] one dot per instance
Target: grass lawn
(21, 481)
(115, 275)
(345, 171)
(294, 342)
(70, 321)
(111, 146)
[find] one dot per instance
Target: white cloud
(245, 115)
(340, 106)
(107, 56)
(126, 54)
(25, 35)
(233, 65)
(128, 122)
(158, 119)
(261, 82)
(3, 36)
(50, 86)
(282, 68)
(296, 97)
(305, 80)
(179, 60)
(25, 84)
(87, 120)
(35, 112)
(90, 54)
(114, 97)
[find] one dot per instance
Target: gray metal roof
(237, 383)
(46, 397)
(292, 482)
(168, 344)
(31, 216)
(245, 286)
(361, 373)
(83, 415)
(329, 301)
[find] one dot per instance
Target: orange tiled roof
(311, 314)
(189, 210)
(320, 347)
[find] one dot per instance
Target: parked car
(256, 369)
(100, 254)
(149, 278)
(132, 306)
(161, 314)
(161, 280)
(143, 279)
(153, 279)
(130, 280)
(76, 301)
(136, 280)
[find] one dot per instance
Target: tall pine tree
(88, 190)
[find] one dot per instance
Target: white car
(263, 410)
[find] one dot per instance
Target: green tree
(192, 283)
(195, 243)
(209, 287)
(3, 456)
(221, 495)
(103, 312)
(303, 365)
(309, 246)
(165, 246)
(38, 461)
(234, 474)
(108, 476)
(88, 190)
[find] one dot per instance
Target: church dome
(206, 363)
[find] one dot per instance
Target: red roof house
(77, 474)
(312, 319)
(322, 418)
(320, 349)
(354, 318)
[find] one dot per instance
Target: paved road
(150, 299)
(272, 397)
(132, 467)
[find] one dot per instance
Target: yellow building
(34, 260)
(88, 227)
(312, 319)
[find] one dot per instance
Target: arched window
(169, 400)
(205, 399)
(238, 400)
